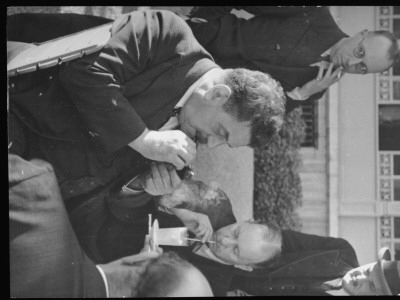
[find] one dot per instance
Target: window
(310, 116)
(389, 176)
(397, 228)
(390, 235)
(396, 164)
(396, 190)
(389, 127)
(396, 251)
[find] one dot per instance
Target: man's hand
(321, 82)
(197, 223)
(161, 180)
(171, 146)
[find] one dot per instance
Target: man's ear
(218, 94)
(243, 267)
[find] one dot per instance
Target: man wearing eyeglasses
(302, 47)
(294, 44)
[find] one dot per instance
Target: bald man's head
(171, 276)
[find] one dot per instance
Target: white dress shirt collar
(206, 252)
(173, 122)
(105, 280)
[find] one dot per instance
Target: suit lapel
(325, 264)
(321, 34)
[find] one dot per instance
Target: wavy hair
(258, 98)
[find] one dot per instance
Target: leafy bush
(277, 186)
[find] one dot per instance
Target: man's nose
(226, 241)
(353, 61)
(213, 142)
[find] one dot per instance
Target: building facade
(351, 180)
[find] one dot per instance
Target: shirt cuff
(295, 95)
(105, 280)
(128, 190)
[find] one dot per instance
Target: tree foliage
(277, 186)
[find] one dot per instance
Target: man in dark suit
(120, 229)
(46, 260)
(309, 264)
(96, 118)
(292, 44)
(289, 43)
(317, 265)
(381, 277)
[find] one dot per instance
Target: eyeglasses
(359, 52)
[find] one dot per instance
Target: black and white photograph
(203, 151)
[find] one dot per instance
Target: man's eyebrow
(365, 67)
(226, 132)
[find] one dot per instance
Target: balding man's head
(247, 244)
(171, 276)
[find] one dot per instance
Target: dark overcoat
(281, 41)
(81, 116)
(307, 261)
(46, 260)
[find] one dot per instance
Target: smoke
(211, 192)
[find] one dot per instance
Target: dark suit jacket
(307, 261)
(45, 258)
(81, 116)
(42, 27)
(281, 41)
